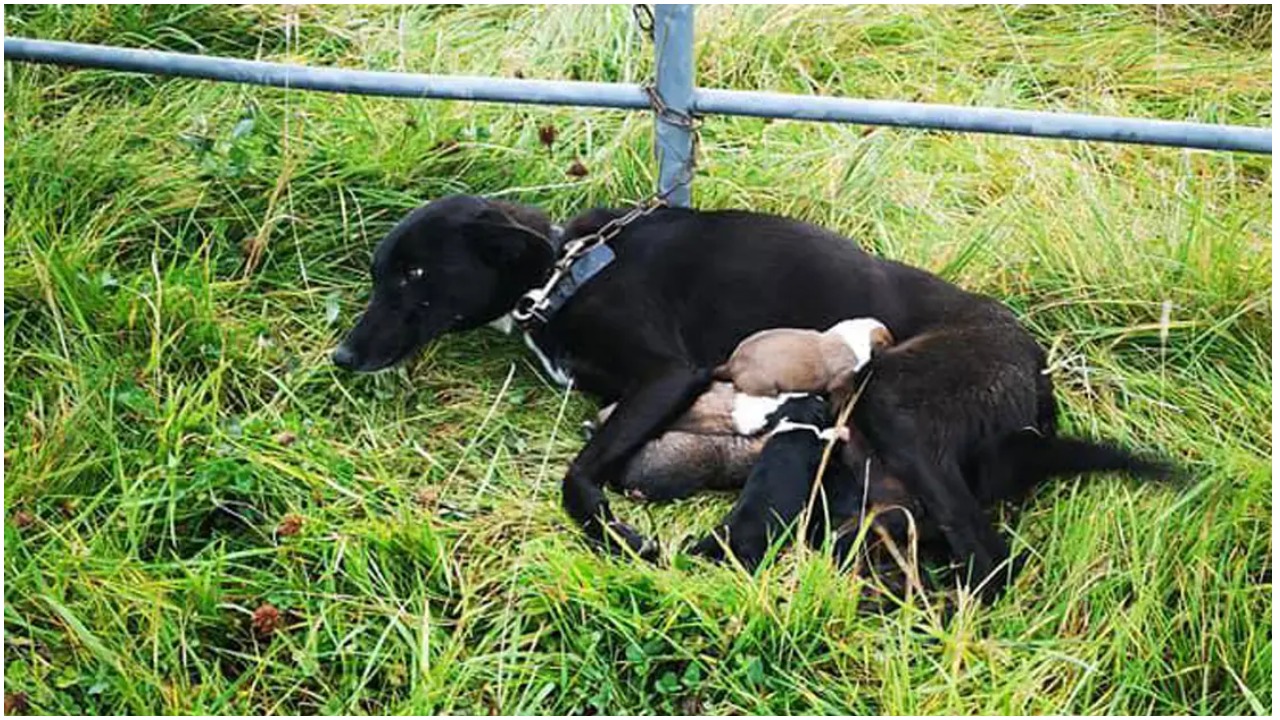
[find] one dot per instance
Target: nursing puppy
(777, 488)
(714, 444)
(797, 360)
(780, 486)
(701, 450)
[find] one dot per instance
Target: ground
(203, 516)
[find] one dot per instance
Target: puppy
(794, 360)
(714, 444)
(776, 470)
(706, 448)
(701, 450)
(777, 487)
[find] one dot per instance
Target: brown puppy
(790, 360)
(701, 450)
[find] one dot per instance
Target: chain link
(687, 120)
(643, 15)
(532, 303)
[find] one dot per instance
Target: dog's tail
(1025, 460)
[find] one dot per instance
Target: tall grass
(181, 459)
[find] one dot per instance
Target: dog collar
(546, 301)
(580, 272)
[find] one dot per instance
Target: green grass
(169, 407)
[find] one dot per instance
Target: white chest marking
(557, 374)
(785, 425)
(504, 324)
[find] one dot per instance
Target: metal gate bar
(674, 39)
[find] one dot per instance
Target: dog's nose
(344, 358)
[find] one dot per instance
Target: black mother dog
(685, 288)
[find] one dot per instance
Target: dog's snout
(344, 358)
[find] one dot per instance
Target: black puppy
(686, 287)
(777, 489)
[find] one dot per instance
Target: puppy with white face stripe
(778, 487)
(781, 360)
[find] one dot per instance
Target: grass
(180, 256)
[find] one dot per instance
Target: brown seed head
(15, 703)
(547, 135)
(267, 619)
(289, 526)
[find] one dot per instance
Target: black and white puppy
(778, 487)
(686, 287)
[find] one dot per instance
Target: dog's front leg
(639, 416)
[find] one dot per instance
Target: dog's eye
(415, 273)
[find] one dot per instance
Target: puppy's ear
(881, 340)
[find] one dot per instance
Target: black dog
(685, 288)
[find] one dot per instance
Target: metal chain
(643, 15)
(687, 120)
(533, 302)
(665, 113)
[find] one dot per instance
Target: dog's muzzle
(343, 357)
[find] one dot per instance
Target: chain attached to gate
(643, 15)
(664, 113)
(667, 114)
(532, 305)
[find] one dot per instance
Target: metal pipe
(728, 102)
(673, 45)
(959, 118)
(301, 77)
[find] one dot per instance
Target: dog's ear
(505, 234)
(500, 245)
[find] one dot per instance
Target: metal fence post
(673, 43)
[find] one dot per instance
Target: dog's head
(866, 337)
(452, 264)
(806, 409)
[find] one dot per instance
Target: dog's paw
(711, 548)
(719, 547)
(630, 540)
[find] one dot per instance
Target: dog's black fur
(685, 288)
